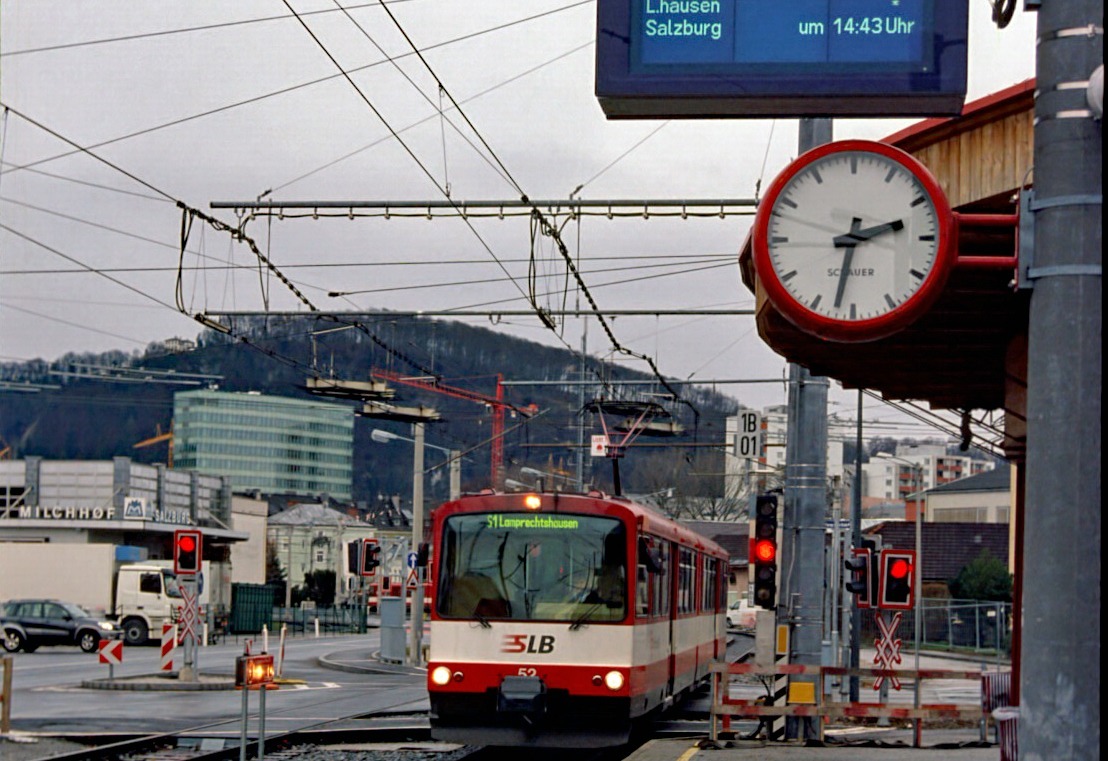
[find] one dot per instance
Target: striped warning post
(780, 682)
(169, 644)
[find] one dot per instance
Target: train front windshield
(533, 567)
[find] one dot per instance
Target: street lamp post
(415, 641)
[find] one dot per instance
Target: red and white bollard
(169, 644)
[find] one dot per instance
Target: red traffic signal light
(897, 579)
(763, 551)
(187, 551)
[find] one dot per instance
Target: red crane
(496, 403)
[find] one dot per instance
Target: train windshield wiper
(482, 620)
(583, 619)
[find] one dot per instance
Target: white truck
(139, 597)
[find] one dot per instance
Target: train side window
(661, 598)
(686, 581)
(642, 590)
(710, 596)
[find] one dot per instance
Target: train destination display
(669, 58)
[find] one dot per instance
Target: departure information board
(665, 58)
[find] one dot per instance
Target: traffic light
(370, 560)
(354, 557)
(860, 582)
(187, 551)
(898, 573)
(763, 551)
(253, 670)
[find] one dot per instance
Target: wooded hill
(98, 419)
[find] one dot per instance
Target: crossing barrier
(724, 706)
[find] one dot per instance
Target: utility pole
(800, 603)
(416, 640)
(1059, 661)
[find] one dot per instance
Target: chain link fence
(970, 626)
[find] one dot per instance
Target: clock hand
(848, 257)
(855, 236)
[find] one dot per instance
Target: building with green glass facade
(274, 444)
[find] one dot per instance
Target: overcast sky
(210, 101)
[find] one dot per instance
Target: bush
(983, 578)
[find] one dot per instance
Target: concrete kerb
(369, 663)
(162, 683)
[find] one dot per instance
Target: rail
(724, 706)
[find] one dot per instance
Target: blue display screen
(664, 58)
(782, 31)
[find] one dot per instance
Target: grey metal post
(416, 636)
(801, 599)
(245, 719)
(455, 473)
(856, 540)
(261, 722)
(1060, 678)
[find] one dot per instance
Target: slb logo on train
(528, 643)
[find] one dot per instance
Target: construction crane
(495, 403)
(158, 439)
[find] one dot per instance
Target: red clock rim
(899, 317)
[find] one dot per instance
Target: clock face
(852, 240)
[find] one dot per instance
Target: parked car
(29, 624)
(740, 615)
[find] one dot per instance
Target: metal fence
(970, 626)
(252, 608)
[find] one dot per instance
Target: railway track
(362, 737)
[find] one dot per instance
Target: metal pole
(245, 719)
(455, 473)
(917, 581)
(261, 721)
(416, 637)
(1060, 690)
(805, 494)
(856, 540)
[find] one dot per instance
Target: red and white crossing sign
(888, 649)
(111, 651)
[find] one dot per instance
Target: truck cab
(147, 596)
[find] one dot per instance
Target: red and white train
(564, 619)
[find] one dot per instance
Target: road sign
(748, 437)
(598, 445)
(413, 558)
(111, 651)
(888, 648)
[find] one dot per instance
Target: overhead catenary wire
(407, 149)
(168, 32)
(545, 226)
(302, 85)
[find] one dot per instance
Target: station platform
(889, 744)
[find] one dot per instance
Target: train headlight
(613, 680)
(441, 675)
(532, 501)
